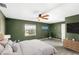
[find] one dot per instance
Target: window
(45, 28)
(30, 30)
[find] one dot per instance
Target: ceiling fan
(43, 16)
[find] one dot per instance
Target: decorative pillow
(1, 48)
(15, 47)
(7, 50)
(4, 42)
(10, 42)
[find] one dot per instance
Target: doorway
(63, 27)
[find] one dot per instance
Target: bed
(28, 47)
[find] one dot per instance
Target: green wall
(15, 28)
(55, 30)
(72, 19)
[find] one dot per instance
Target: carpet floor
(59, 46)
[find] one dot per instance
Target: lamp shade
(7, 36)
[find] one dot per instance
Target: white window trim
(30, 26)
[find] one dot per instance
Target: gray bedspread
(33, 47)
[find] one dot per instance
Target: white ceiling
(29, 11)
(67, 9)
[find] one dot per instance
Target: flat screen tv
(73, 27)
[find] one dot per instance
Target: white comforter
(36, 47)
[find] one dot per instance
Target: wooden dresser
(70, 44)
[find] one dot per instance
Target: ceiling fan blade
(40, 18)
(45, 16)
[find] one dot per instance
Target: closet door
(2, 23)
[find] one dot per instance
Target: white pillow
(7, 50)
(1, 48)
